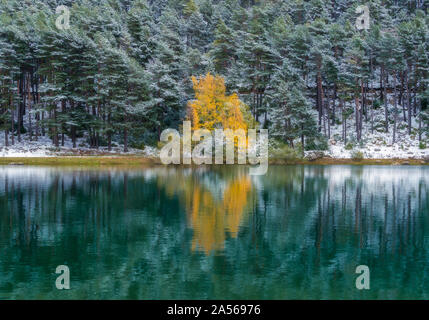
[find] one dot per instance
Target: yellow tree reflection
(211, 217)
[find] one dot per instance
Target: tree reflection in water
(178, 233)
(213, 210)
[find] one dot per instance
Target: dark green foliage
(122, 71)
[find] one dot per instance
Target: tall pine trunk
(20, 89)
(6, 138)
(333, 104)
(125, 140)
(409, 99)
(12, 117)
(401, 95)
(386, 112)
(30, 129)
(395, 110)
(109, 134)
(319, 93)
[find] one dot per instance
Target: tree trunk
(386, 112)
(12, 117)
(43, 125)
(20, 89)
(125, 140)
(328, 114)
(302, 139)
(343, 118)
(409, 100)
(357, 117)
(420, 125)
(73, 135)
(37, 126)
(362, 94)
(30, 129)
(345, 131)
(372, 107)
(6, 138)
(55, 131)
(320, 95)
(333, 104)
(109, 134)
(401, 91)
(395, 110)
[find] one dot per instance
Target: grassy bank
(90, 161)
(98, 161)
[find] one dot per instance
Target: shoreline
(136, 160)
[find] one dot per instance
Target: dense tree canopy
(123, 71)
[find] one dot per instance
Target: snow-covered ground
(379, 147)
(379, 144)
(43, 147)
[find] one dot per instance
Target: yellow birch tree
(212, 108)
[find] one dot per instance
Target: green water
(298, 232)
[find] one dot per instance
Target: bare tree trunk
(302, 139)
(6, 138)
(372, 107)
(357, 117)
(55, 131)
(63, 109)
(73, 136)
(36, 99)
(30, 129)
(420, 125)
(328, 116)
(324, 119)
(333, 103)
(373, 95)
(109, 134)
(20, 89)
(12, 117)
(43, 126)
(320, 94)
(344, 121)
(345, 131)
(125, 140)
(409, 100)
(386, 112)
(401, 95)
(73, 127)
(361, 108)
(415, 101)
(342, 118)
(395, 115)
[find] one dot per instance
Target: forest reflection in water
(167, 232)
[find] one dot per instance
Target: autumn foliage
(212, 108)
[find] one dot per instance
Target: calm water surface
(167, 233)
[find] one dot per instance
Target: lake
(298, 232)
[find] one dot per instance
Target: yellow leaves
(212, 108)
